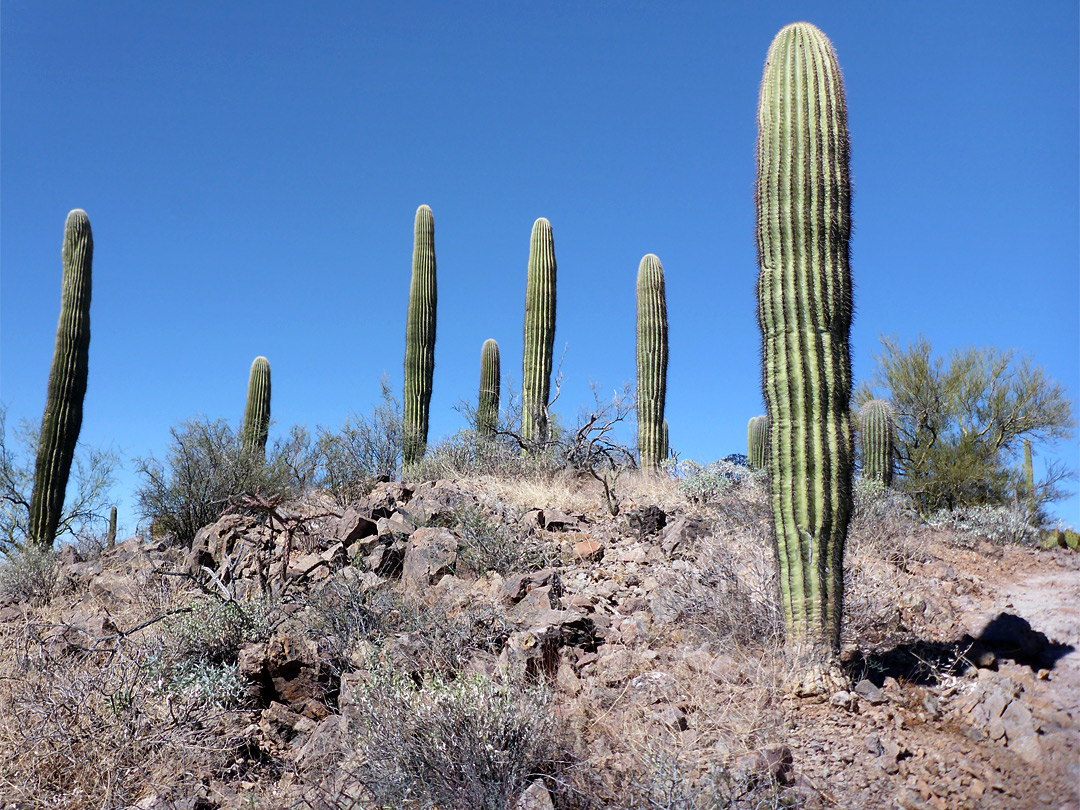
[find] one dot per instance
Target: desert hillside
(506, 643)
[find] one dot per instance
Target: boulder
(431, 553)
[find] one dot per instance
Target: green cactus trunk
(877, 432)
(62, 419)
(539, 334)
(257, 412)
(652, 360)
(1029, 478)
(757, 443)
(420, 337)
(803, 198)
(110, 538)
(487, 412)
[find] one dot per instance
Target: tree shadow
(1007, 637)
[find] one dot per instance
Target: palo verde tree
(961, 421)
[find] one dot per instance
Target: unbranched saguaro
(62, 419)
(652, 361)
(803, 198)
(757, 442)
(1029, 477)
(539, 333)
(420, 336)
(487, 412)
(877, 432)
(110, 538)
(257, 411)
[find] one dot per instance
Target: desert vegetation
(537, 612)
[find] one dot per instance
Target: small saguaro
(487, 412)
(652, 361)
(539, 337)
(420, 336)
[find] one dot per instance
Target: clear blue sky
(251, 171)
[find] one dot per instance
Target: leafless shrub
(491, 541)
(94, 730)
(466, 744)
(29, 575)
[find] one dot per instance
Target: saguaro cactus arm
(803, 198)
(257, 411)
(539, 337)
(420, 336)
(62, 420)
(652, 360)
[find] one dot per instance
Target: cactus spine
(420, 336)
(539, 333)
(652, 360)
(257, 411)
(110, 538)
(878, 435)
(487, 413)
(62, 419)
(757, 442)
(803, 198)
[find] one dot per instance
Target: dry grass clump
(492, 540)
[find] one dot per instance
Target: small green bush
(214, 631)
(491, 542)
(998, 524)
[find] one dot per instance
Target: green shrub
(206, 470)
(214, 631)
(998, 524)
(492, 542)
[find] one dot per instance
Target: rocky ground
(238, 673)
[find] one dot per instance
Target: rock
(324, 742)
(387, 496)
(774, 764)
(520, 584)
(431, 553)
(556, 521)
(535, 650)
(354, 526)
(869, 692)
(113, 590)
(396, 524)
(615, 666)
(287, 669)
(681, 534)
(1020, 732)
(535, 797)
(672, 717)
(648, 521)
(567, 680)
(79, 632)
(436, 504)
(848, 701)
(588, 551)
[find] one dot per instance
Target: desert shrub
(723, 595)
(366, 448)
(465, 744)
(704, 484)
(345, 616)
(491, 542)
(464, 454)
(206, 470)
(214, 630)
(203, 684)
(28, 575)
(998, 524)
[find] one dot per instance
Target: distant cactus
(757, 443)
(1029, 477)
(652, 360)
(539, 333)
(110, 538)
(257, 412)
(62, 419)
(803, 199)
(487, 412)
(878, 436)
(420, 336)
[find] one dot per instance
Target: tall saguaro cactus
(420, 336)
(539, 333)
(878, 435)
(652, 360)
(257, 412)
(487, 412)
(803, 198)
(757, 442)
(62, 419)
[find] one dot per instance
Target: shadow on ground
(1007, 637)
